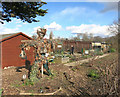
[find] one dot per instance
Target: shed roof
(4, 37)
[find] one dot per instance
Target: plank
(27, 40)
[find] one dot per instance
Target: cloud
(53, 26)
(19, 26)
(111, 6)
(35, 29)
(18, 20)
(4, 30)
(25, 23)
(91, 28)
(72, 10)
(69, 14)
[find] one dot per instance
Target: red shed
(10, 50)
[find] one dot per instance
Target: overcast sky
(66, 18)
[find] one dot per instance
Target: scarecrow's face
(41, 32)
(41, 35)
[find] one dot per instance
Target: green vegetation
(93, 74)
(31, 91)
(100, 53)
(1, 90)
(25, 11)
(73, 69)
(86, 56)
(70, 56)
(16, 85)
(26, 83)
(29, 82)
(112, 50)
(52, 76)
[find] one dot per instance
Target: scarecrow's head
(41, 32)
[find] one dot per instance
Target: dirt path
(85, 60)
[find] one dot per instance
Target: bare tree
(91, 37)
(34, 37)
(51, 35)
(114, 29)
(98, 38)
(85, 37)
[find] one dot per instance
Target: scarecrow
(41, 52)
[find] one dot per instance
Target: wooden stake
(42, 70)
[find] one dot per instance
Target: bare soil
(72, 80)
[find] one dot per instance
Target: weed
(1, 90)
(17, 85)
(100, 53)
(31, 91)
(93, 74)
(112, 50)
(41, 87)
(70, 56)
(73, 69)
(47, 78)
(29, 82)
(22, 84)
(86, 56)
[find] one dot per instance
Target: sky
(65, 19)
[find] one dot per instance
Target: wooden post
(42, 70)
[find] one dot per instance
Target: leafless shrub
(109, 76)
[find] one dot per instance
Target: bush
(1, 90)
(29, 82)
(112, 50)
(100, 53)
(93, 74)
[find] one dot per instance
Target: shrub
(1, 90)
(29, 82)
(100, 53)
(93, 74)
(112, 50)
(73, 69)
